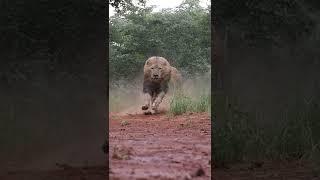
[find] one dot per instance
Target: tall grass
(295, 136)
(202, 103)
(182, 103)
(179, 104)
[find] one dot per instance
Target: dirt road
(160, 146)
(163, 147)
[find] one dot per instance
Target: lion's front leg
(158, 100)
(147, 101)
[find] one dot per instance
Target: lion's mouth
(156, 79)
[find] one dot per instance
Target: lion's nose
(155, 75)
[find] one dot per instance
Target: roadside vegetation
(181, 35)
(182, 103)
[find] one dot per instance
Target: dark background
(53, 78)
(53, 87)
(266, 80)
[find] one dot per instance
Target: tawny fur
(176, 77)
(158, 73)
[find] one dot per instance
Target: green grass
(182, 103)
(201, 104)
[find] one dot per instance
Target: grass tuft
(182, 103)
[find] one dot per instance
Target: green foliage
(182, 103)
(202, 103)
(123, 6)
(181, 35)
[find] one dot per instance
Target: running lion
(157, 75)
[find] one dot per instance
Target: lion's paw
(144, 107)
(147, 113)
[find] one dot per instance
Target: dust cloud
(127, 98)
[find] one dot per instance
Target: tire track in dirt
(160, 146)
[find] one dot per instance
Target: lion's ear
(165, 63)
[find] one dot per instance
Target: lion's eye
(160, 68)
(152, 68)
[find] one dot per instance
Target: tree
(181, 35)
(123, 6)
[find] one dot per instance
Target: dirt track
(159, 146)
(162, 147)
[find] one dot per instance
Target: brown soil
(163, 147)
(160, 146)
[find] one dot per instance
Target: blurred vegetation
(50, 74)
(294, 137)
(181, 35)
(276, 40)
(46, 35)
(267, 22)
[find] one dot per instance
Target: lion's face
(156, 72)
(157, 69)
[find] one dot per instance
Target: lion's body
(157, 75)
(176, 78)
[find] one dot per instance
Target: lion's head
(157, 69)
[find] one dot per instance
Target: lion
(157, 75)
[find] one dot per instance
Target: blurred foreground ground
(292, 170)
(160, 146)
(64, 173)
(164, 147)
